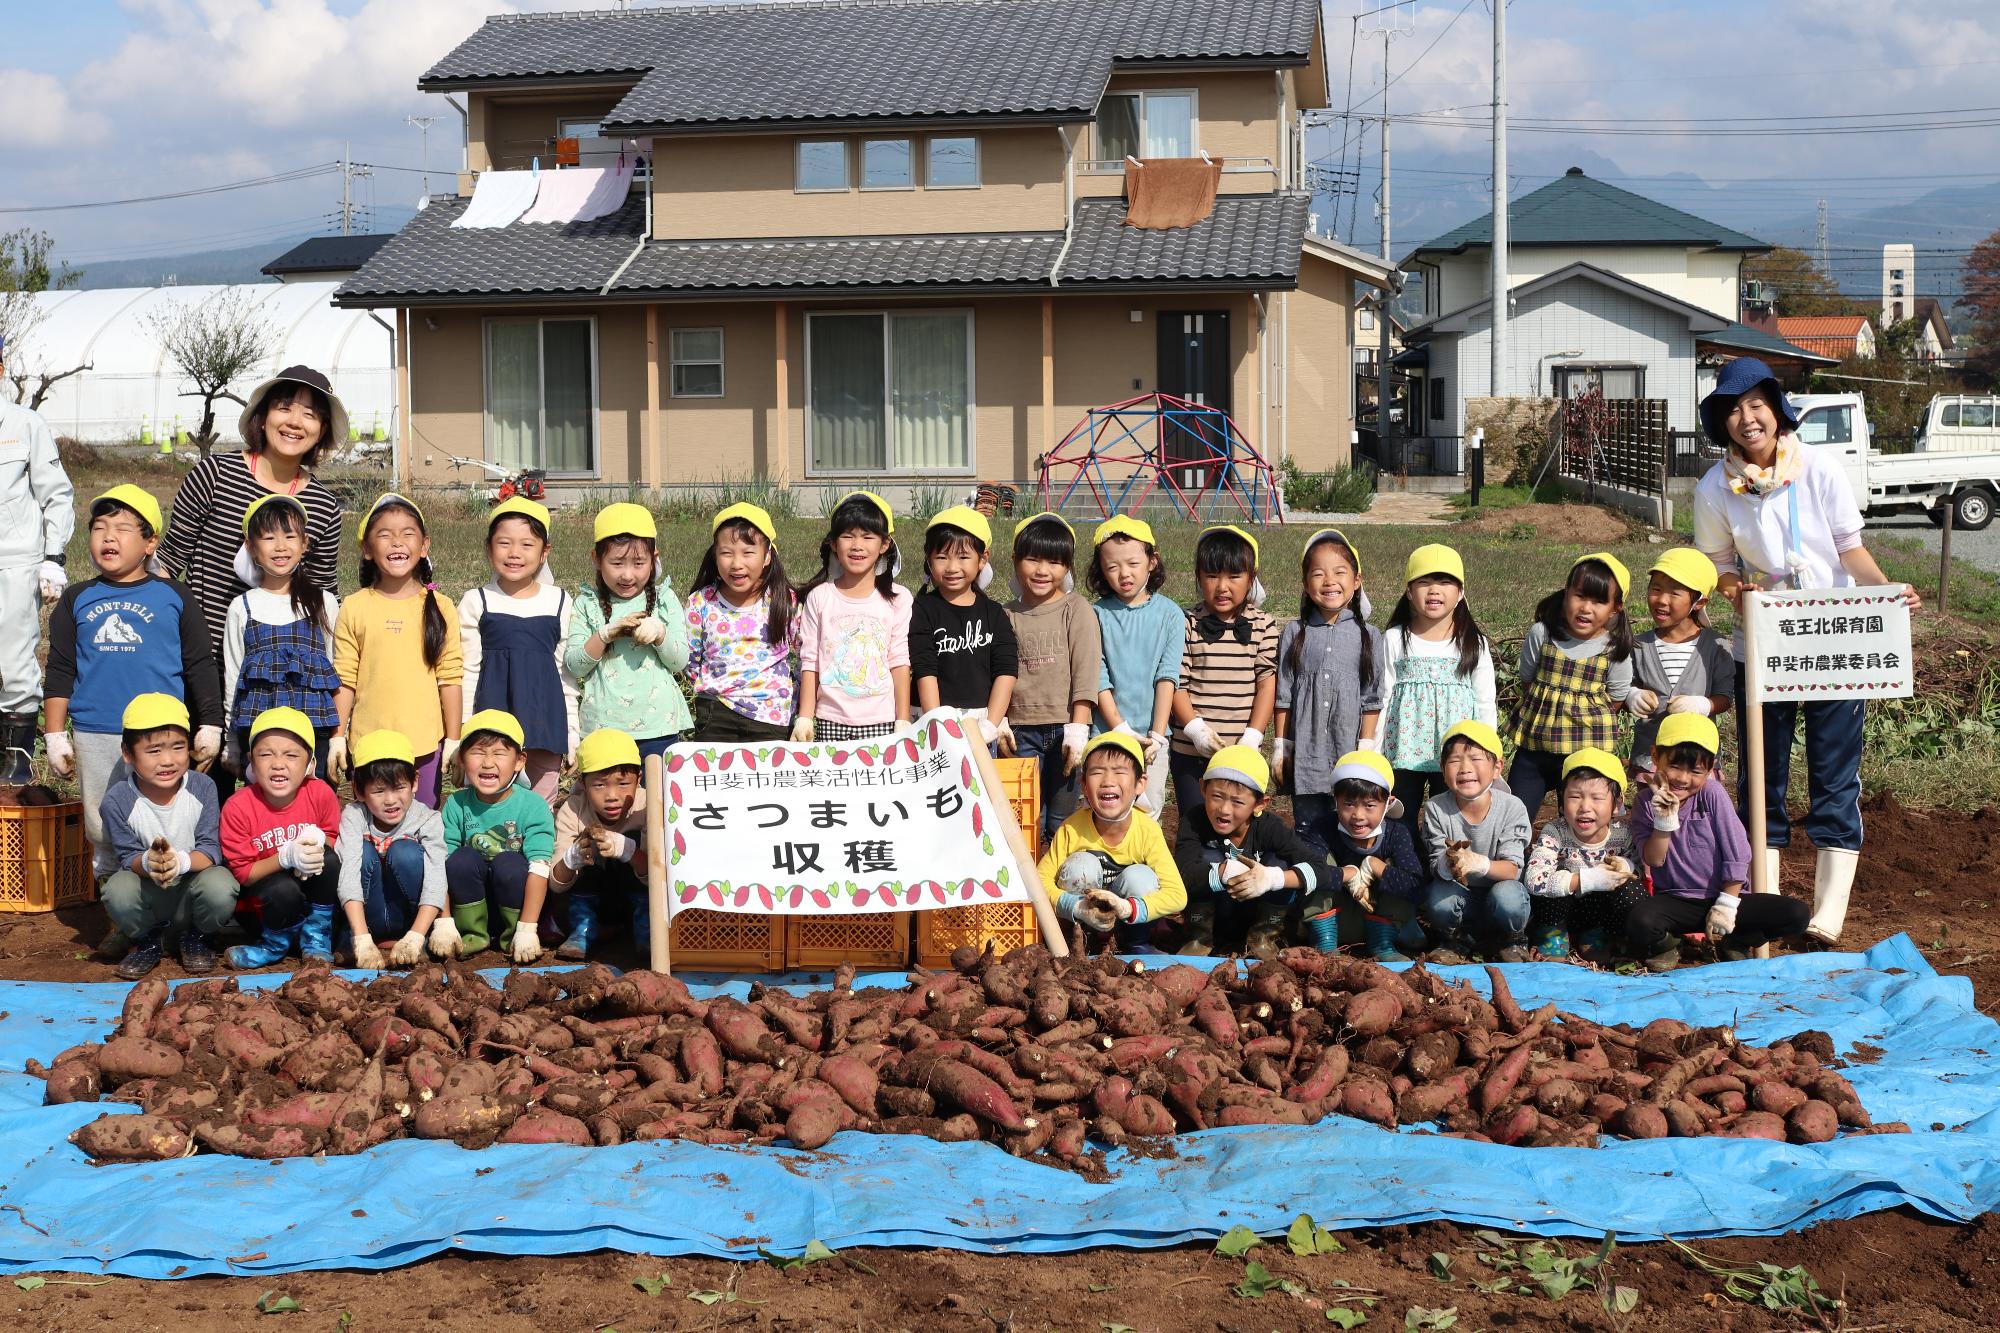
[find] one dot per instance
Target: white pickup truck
(1966, 484)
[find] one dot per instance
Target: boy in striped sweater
(1229, 664)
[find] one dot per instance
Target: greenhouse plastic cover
(409, 1199)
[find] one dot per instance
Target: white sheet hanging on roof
(500, 198)
(565, 194)
(613, 187)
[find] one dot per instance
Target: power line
(279, 178)
(1428, 49)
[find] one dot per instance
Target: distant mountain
(205, 267)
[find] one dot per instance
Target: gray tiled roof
(1250, 239)
(1574, 209)
(734, 64)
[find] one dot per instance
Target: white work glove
(53, 579)
(1251, 737)
(367, 953)
(802, 731)
(649, 631)
(575, 857)
(1691, 703)
(1093, 915)
(1602, 879)
(1201, 736)
(611, 846)
(447, 753)
(1074, 734)
(1127, 729)
(336, 758)
(1121, 909)
(1642, 703)
(232, 754)
(1361, 887)
(1281, 755)
(527, 942)
(1466, 865)
(979, 726)
(1156, 745)
(444, 941)
(1562, 882)
(1254, 881)
(62, 753)
(1003, 737)
(207, 745)
(409, 950)
(1722, 916)
(164, 865)
(1370, 744)
(1666, 811)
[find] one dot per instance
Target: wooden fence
(1616, 442)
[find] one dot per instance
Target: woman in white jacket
(37, 516)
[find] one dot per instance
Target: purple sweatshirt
(1709, 850)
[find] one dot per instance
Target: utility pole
(1819, 236)
(423, 124)
(1498, 373)
(349, 173)
(1384, 319)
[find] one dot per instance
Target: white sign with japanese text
(898, 823)
(1833, 643)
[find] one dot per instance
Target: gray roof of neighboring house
(1701, 322)
(328, 254)
(1744, 338)
(719, 65)
(1249, 241)
(1574, 209)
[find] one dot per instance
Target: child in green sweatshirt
(498, 838)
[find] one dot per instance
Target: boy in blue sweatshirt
(1378, 873)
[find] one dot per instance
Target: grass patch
(1975, 593)
(1492, 498)
(1345, 490)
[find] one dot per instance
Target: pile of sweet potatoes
(1039, 1055)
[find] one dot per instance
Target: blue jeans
(1533, 775)
(1058, 792)
(1082, 870)
(1500, 908)
(391, 886)
(656, 745)
(470, 878)
(1186, 771)
(1833, 771)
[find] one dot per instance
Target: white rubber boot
(1833, 881)
(1772, 858)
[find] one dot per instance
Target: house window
(886, 164)
(1367, 320)
(889, 392)
(952, 163)
(579, 129)
(1614, 382)
(1146, 124)
(1896, 290)
(1895, 312)
(822, 164)
(541, 394)
(696, 357)
(1896, 274)
(1437, 399)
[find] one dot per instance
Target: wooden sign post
(656, 863)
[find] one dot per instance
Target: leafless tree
(214, 344)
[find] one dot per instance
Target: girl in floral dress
(742, 626)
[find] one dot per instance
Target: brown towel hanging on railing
(1167, 192)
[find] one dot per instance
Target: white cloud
(38, 112)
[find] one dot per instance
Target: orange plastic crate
(1008, 925)
(44, 858)
(865, 939)
(705, 941)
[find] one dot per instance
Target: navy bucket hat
(1736, 379)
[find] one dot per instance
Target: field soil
(1935, 876)
(1580, 524)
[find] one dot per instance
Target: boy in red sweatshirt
(276, 832)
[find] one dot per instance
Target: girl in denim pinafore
(277, 639)
(1576, 669)
(513, 631)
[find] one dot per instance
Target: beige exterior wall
(742, 186)
(1236, 117)
(1320, 374)
(510, 130)
(1705, 278)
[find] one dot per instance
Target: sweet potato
(1777, 1098)
(1500, 1083)
(142, 1002)
(1129, 1053)
(815, 1120)
(1757, 1125)
(1604, 1108)
(742, 1033)
(308, 1110)
(1276, 985)
(468, 1121)
(133, 1138)
(1431, 1101)
(643, 992)
(548, 1127)
(701, 1057)
(906, 1102)
(1640, 1120)
(1180, 984)
(1514, 1124)
(1367, 1099)
(1812, 1121)
(265, 1142)
(1371, 1013)
(856, 1083)
(1561, 1097)
(242, 1047)
(393, 1035)
(1145, 1117)
(73, 1081)
(972, 1091)
(424, 1011)
(126, 1058)
(1683, 1121)
(1215, 1019)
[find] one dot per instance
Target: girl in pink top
(854, 632)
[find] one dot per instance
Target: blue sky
(105, 98)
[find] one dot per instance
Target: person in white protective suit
(37, 515)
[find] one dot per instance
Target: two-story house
(879, 241)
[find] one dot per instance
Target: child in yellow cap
(277, 835)
(1061, 661)
(391, 850)
(1680, 665)
(1580, 869)
(1109, 862)
(1576, 669)
(1378, 873)
(1438, 669)
(1476, 834)
(854, 629)
(963, 653)
(1229, 660)
(1330, 668)
(600, 846)
(512, 634)
(743, 627)
(1142, 635)
(628, 638)
(1240, 864)
(498, 838)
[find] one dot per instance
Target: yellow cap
(1377, 768)
(1123, 525)
(1239, 763)
(139, 500)
(519, 504)
(288, 720)
(1335, 534)
(1478, 733)
(1434, 559)
(499, 722)
(389, 498)
(754, 515)
(259, 503)
(1044, 517)
(1601, 762)
(888, 514)
(1255, 556)
(1612, 563)
(605, 748)
(965, 518)
(1120, 741)
(379, 745)
(150, 712)
(1689, 568)
(1688, 729)
(625, 520)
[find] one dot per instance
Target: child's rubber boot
(1382, 941)
(1553, 941)
(1265, 937)
(271, 947)
(504, 928)
(144, 955)
(1454, 950)
(582, 911)
(473, 933)
(642, 928)
(1198, 929)
(1590, 944)
(1323, 929)
(1667, 959)
(316, 935)
(1514, 949)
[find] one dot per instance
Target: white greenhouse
(131, 390)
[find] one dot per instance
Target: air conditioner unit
(1753, 291)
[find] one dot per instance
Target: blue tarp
(1940, 1066)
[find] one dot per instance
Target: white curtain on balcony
(932, 391)
(513, 391)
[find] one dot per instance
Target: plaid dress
(1567, 706)
(284, 666)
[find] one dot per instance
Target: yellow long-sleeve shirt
(1143, 844)
(378, 652)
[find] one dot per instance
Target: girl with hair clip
(1438, 670)
(962, 649)
(854, 630)
(1576, 668)
(1329, 696)
(1680, 665)
(742, 626)
(396, 648)
(1062, 662)
(1229, 660)
(513, 633)
(1142, 636)
(277, 639)
(628, 637)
